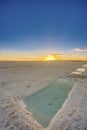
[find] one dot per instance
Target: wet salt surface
(45, 103)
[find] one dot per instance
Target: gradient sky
(32, 25)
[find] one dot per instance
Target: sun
(50, 58)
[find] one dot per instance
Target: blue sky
(28, 25)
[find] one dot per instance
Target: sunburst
(50, 58)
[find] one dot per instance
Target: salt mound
(85, 65)
(81, 69)
(78, 73)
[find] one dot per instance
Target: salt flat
(21, 79)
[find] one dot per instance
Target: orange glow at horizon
(23, 56)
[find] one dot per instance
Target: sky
(34, 27)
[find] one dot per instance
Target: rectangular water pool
(45, 103)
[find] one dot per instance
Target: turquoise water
(45, 103)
